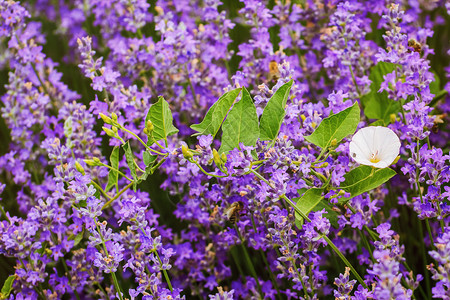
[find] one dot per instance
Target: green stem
(140, 140)
(166, 276)
(114, 169)
(99, 188)
(424, 257)
(4, 213)
(117, 196)
(329, 242)
(204, 171)
(113, 274)
(248, 260)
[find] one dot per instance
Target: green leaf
(335, 127)
(378, 123)
(435, 86)
(149, 159)
(161, 117)
(130, 161)
(7, 286)
(241, 124)
(113, 176)
(377, 105)
(77, 239)
(216, 114)
(274, 112)
(307, 202)
(363, 179)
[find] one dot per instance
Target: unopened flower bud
(79, 168)
(108, 131)
(392, 118)
(216, 158)
(333, 143)
(105, 118)
(90, 162)
(96, 160)
(224, 157)
(114, 116)
(186, 152)
(341, 192)
(149, 126)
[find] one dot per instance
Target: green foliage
(77, 239)
(363, 179)
(435, 86)
(307, 203)
(274, 112)
(241, 125)
(377, 105)
(130, 161)
(113, 175)
(161, 117)
(336, 127)
(216, 114)
(7, 287)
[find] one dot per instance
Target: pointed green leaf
(216, 114)
(130, 162)
(274, 112)
(77, 239)
(377, 105)
(7, 286)
(161, 117)
(241, 124)
(113, 176)
(307, 203)
(363, 179)
(335, 127)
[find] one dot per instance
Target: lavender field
(218, 150)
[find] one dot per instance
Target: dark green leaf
(363, 179)
(273, 114)
(335, 127)
(130, 161)
(241, 124)
(377, 105)
(113, 176)
(7, 286)
(161, 117)
(216, 114)
(307, 202)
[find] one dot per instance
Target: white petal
(375, 140)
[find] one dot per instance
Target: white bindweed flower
(376, 146)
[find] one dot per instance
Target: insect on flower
(234, 210)
(376, 146)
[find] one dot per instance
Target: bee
(438, 120)
(234, 211)
(274, 72)
(413, 43)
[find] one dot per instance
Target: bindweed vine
(224, 150)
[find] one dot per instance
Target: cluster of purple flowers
(92, 212)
